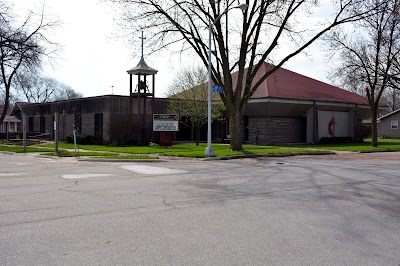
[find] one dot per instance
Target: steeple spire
(143, 38)
(142, 68)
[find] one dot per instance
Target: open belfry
(142, 91)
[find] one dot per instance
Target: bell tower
(142, 92)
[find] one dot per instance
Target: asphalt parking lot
(306, 210)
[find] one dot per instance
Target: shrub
(365, 131)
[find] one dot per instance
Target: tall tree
(368, 53)
(188, 97)
(21, 47)
(265, 26)
(38, 89)
(66, 92)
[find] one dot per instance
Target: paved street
(309, 210)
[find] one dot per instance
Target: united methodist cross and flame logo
(331, 126)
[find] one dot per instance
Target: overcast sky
(92, 60)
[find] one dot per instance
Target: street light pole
(209, 151)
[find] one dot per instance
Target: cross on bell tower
(140, 95)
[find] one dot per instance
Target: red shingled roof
(286, 84)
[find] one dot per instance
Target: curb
(266, 155)
(7, 152)
(376, 151)
(120, 160)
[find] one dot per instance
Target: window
(42, 124)
(395, 124)
(31, 127)
(98, 125)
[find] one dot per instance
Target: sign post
(24, 132)
(56, 133)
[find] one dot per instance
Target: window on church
(98, 125)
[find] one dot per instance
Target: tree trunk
(6, 104)
(235, 130)
(374, 142)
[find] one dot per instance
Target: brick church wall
(269, 130)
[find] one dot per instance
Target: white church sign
(165, 122)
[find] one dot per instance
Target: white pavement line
(12, 174)
(152, 170)
(20, 164)
(76, 176)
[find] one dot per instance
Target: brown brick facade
(269, 130)
(66, 125)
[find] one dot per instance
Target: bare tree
(369, 52)
(21, 47)
(391, 97)
(188, 94)
(38, 89)
(66, 92)
(347, 81)
(265, 26)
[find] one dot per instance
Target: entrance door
(42, 122)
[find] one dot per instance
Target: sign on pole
(217, 89)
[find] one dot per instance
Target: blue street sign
(217, 89)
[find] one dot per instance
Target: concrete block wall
(49, 126)
(268, 130)
(122, 129)
(66, 125)
(106, 127)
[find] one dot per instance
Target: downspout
(315, 124)
(356, 131)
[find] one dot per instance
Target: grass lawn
(16, 148)
(103, 155)
(383, 145)
(189, 150)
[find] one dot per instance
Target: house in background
(388, 125)
(11, 126)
